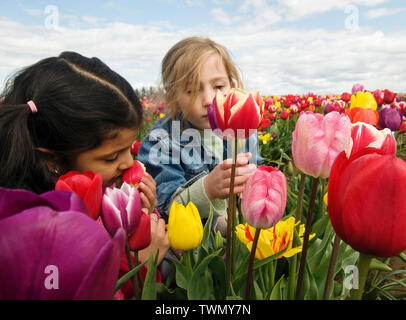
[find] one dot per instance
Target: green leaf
(379, 265)
(149, 288)
(128, 275)
(201, 283)
(276, 293)
(181, 274)
(218, 268)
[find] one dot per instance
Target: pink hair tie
(32, 106)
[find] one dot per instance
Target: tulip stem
(251, 265)
(130, 267)
(296, 239)
(188, 262)
(308, 227)
(331, 268)
(364, 262)
(230, 219)
(323, 191)
(272, 269)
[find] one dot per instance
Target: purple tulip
(48, 253)
(390, 118)
(121, 208)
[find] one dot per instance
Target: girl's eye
(219, 87)
(112, 159)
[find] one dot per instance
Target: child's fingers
(145, 203)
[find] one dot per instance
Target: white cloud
(272, 59)
(299, 8)
(380, 12)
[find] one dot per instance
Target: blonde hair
(181, 69)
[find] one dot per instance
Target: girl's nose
(127, 161)
(208, 96)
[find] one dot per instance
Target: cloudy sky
(280, 46)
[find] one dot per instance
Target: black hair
(80, 102)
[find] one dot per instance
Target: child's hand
(148, 192)
(159, 240)
(217, 182)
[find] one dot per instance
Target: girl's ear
(51, 159)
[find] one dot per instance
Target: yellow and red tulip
(272, 240)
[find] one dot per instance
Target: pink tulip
(365, 135)
(264, 198)
(357, 87)
(318, 139)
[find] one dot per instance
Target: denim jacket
(175, 156)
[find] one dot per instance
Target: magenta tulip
(263, 200)
(49, 253)
(318, 139)
(121, 208)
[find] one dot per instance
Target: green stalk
(251, 265)
(130, 267)
(331, 268)
(296, 239)
(323, 191)
(230, 219)
(363, 268)
(188, 262)
(272, 269)
(308, 227)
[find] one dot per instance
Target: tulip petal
(39, 237)
(106, 263)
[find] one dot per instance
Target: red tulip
(367, 207)
(238, 111)
(133, 175)
(89, 186)
(141, 237)
(284, 115)
(388, 96)
(135, 147)
(346, 97)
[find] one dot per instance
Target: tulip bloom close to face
(272, 240)
(121, 208)
(51, 248)
(185, 229)
(88, 186)
(367, 203)
(318, 139)
(237, 114)
(263, 200)
(133, 175)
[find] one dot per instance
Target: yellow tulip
(364, 100)
(185, 229)
(272, 240)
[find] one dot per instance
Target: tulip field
(371, 124)
(322, 218)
